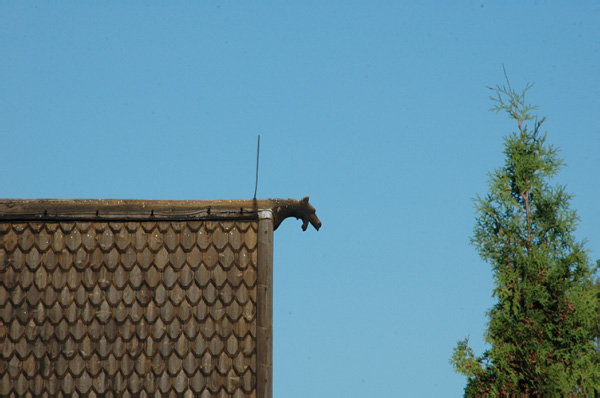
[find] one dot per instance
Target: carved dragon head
(299, 209)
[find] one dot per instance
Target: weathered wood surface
(264, 324)
(129, 308)
(139, 298)
(132, 209)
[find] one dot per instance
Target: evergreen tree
(542, 328)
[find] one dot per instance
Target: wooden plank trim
(140, 210)
(264, 327)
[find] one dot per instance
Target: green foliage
(479, 374)
(542, 328)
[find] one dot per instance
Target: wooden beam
(139, 210)
(264, 327)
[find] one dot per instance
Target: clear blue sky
(378, 112)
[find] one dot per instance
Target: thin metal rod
(257, 158)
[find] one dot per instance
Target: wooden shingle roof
(137, 298)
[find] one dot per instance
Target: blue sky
(379, 112)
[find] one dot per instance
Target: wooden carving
(301, 209)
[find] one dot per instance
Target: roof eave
(144, 210)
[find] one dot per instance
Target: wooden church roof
(138, 298)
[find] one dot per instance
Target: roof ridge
(171, 210)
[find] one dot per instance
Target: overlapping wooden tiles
(128, 309)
